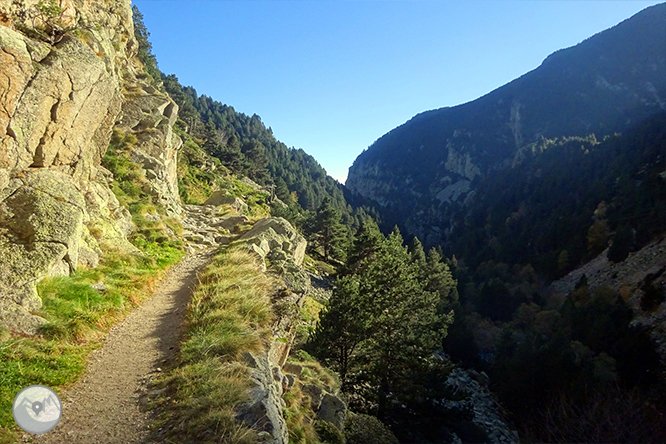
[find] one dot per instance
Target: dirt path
(103, 407)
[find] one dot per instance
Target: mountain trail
(104, 406)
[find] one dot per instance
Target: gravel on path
(103, 407)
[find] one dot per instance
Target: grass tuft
(229, 314)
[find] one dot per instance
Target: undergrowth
(196, 183)
(230, 313)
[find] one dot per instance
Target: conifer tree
(328, 231)
(393, 322)
(343, 327)
(145, 53)
(440, 280)
(406, 325)
(366, 242)
(281, 190)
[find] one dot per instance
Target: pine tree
(281, 191)
(440, 281)
(406, 326)
(366, 242)
(145, 53)
(328, 231)
(343, 326)
(395, 320)
(255, 161)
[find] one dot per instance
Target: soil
(104, 406)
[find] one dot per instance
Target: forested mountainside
(99, 196)
(561, 166)
(566, 200)
(246, 146)
(428, 170)
(520, 188)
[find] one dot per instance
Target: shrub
(366, 429)
(329, 433)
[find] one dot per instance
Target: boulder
(290, 380)
(276, 233)
(41, 226)
(263, 411)
(333, 410)
(229, 222)
(221, 197)
(249, 182)
(315, 394)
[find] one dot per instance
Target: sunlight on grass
(230, 313)
(79, 316)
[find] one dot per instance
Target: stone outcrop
(276, 240)
(333, 410)
(150, 115)
(263, 410)
(486, 413)
(221, 197)
(60, 99)
(204, 227)
(274, 235)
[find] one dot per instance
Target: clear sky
(331, 77)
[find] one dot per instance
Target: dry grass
(299, 417)
(230, 313)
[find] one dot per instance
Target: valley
(490, 272)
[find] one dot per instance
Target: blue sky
(331, 77)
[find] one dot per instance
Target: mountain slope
(426, 168)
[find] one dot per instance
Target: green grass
(298, 414)
(230, 313)
(78, 316)
(78, 319)
(299, 417)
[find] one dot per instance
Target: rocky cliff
(68, 76)
(428, 168)
(631, 278)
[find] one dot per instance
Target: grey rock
(290, 380)
(273, 233)
(99, 287)
(487, 413)
(333, 410)
(229, 222)
(315, 393)
(263, 411)
(222, 198)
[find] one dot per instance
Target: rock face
(274, 234)
(263, 412)
(59, 102)
(150, 115)
(486, 412)
(427, 169)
